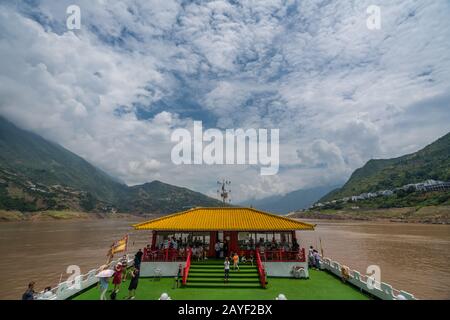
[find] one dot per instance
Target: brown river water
(412, 257)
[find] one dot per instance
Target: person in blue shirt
(29, 294)
(103, 285)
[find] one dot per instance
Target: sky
(340, 93)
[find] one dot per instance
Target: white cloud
(340, 93)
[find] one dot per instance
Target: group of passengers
(277, 245)
(314, 258)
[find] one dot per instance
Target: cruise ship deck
(320, 286)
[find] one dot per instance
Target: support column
(212, 243)
(153, 246)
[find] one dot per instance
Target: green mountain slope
(169, 198)
(432, 162)
(36, 174)
(47, 163)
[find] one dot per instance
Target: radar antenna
(224, 191)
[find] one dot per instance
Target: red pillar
(153, 246)
(212, 243)
(234, 241)
(293, 236)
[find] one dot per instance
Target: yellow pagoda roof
(223, 218)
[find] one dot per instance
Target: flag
(119, 246)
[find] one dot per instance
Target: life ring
(345, 272)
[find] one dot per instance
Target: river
(412, 257)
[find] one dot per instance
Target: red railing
(261, 271)
(163, 255)
(187, 267)
(281, 255)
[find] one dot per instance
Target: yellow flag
(120, 245)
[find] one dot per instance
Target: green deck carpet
(320, 286)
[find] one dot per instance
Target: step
(208, 261)
(234, 275)
(246, 272)
(220, 280)
(212, 266)
(217, 262)
(224, 285)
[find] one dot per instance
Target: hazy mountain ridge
(36, 174)
(292, 201)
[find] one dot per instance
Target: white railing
(378, 289)
(67, 289)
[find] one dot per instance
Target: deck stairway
(210, 274)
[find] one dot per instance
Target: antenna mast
(224, 191)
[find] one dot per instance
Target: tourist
(181, 252)
(226, 269)
(29, 294)
(311, 261)
(133, 283)
(217, 248)
(147, 252)
(138, 258)
(225, 248)
(174, 243)
(179, 274)
(124, 262)
(295, 245)
(103, 285)
(316, 256)
(221, 249)
(117, 278)
(166, 244)
(200, 253)
(236, 262)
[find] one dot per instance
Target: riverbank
(427, 215)
(51, 215)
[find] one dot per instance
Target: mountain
(431, 162)
(159, 197)
(36, 174)
(292, 201)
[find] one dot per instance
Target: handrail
(67, 288)
(187, 267)
(379, 289)
(262, 273)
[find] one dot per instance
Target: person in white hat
(164, 296)
(281, 297)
